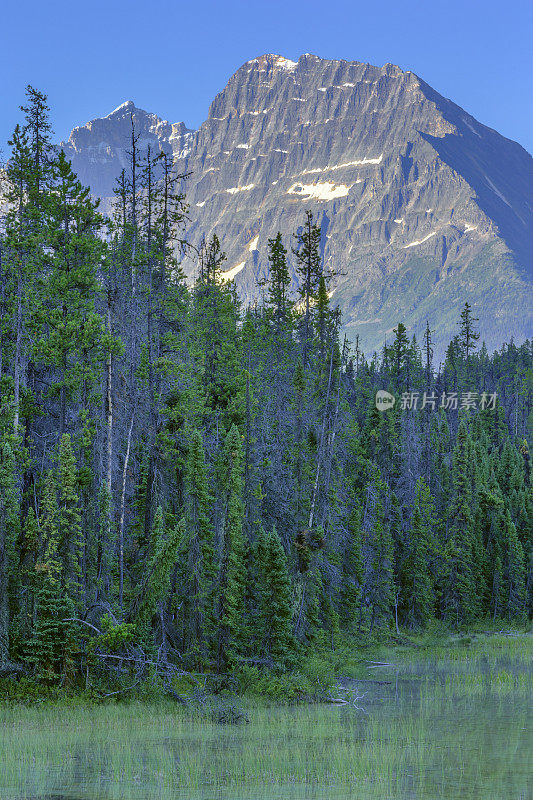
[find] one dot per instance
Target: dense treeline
(186, 484)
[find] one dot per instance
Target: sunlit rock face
(422, 207)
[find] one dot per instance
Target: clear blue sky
(172, 57)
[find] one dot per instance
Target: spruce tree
(51, 645)
(513, 572)
(8, 528)
(164, 547)
(279, 281)
(418, 600)
(400, 357)
(352, 571)
(309, 269)
(200, 544)
(379, 580)
(70, 542)
(275, 599)
(459, 594)
(232, 583)
(468, 335)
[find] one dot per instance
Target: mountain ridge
(422, 207)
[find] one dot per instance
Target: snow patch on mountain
(230, 274)
(320, 191)
(235, 189)
(420, 241)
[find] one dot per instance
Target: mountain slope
(99, 150)
(422, 207)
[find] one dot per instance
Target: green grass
(451, 720)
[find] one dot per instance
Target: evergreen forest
(195, 488)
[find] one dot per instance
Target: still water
(434, 730)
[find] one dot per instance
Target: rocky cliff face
(421, 206)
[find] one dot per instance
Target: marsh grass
(451, 721)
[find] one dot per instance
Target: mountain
(422, 207)
(99, 150)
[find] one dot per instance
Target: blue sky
(173, 57)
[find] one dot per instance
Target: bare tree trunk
(109, 413)
(333, 432)
(4, 607)
(320, 445)
(16, 366)
(122, 513)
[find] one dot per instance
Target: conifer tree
(218, 339)
(400, 356)
(70, 542)
(513, 572)
(468, 335)
(50, 649)
(309, 268)
(417, 585)
(8, 527)
(275, 598)
(460, 599)
(279, 281)
(155, 585)
(379, 580)
(71, 339)
(200, 543)
(353, 571)
(232, 583)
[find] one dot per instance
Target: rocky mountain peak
(422, 207)
(124, 108)
(99, 149)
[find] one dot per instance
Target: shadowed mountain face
(422, 207)
(99, 150)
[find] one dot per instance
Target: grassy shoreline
(356, 659)
(444, 720)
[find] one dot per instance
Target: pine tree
(275, 599)
(8, 528)
(200, 543)
(279, 281)
(418, 600)
(50, 649)
(309, 268)
(24, 258)
(70, 542)
(468, 335)
(39, 132)
(71, 338)
(232, 583)
(460, 599)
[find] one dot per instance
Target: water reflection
(424, 731)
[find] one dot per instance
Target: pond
(453, 725)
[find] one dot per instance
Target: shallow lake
(458, 728)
